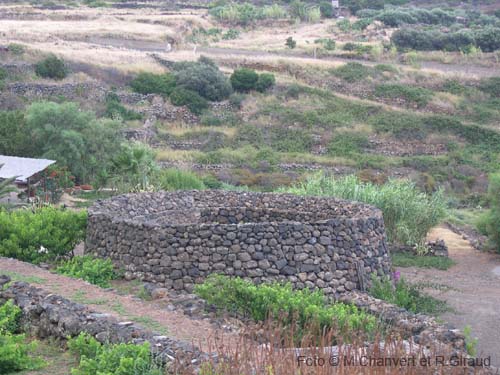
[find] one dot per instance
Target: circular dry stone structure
(176, 239)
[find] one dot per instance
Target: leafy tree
(51, 67)
(15, 138)
(74, 138)
(244, 79)
(202, 77)
(326, 9)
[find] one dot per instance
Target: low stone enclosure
(176, 239)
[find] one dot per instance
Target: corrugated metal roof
(21, 168)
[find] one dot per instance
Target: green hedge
(150, 83)
(488, 39)
(41, 235)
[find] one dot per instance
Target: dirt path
(467, 70)
(161, 47)
(148, 314)
(473, 291)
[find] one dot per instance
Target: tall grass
(408, 213)
(280, 356)
(176, 179)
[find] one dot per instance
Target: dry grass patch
(168, 154)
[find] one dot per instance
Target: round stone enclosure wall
(176, 239)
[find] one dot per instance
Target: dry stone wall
(177, 239)
(47, 315)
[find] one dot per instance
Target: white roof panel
(21, 168)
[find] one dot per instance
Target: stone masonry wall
(177, 239)
(47, 315)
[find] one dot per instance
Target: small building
(28, 172)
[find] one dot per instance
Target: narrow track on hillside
(473, 290)
(126, 307)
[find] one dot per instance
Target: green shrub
(405, 295)
(236, 100)
(244, 79)
(491, 86)
(115, 110)
(395, 18)
(211, 182)
(231, 34)
(327, 43)
(347, 144)
(326, 9)
(190, 99)
(51, 67)
(41, 235)
(290, 43)
(245, 13)
(344, 25)
(203, 77)
(489, 223)
(265, 82)
(14, 351)
(123, 359)
(410, 260)
(15, 354)
(358, 48)
(352, 72)
(291, 140)
(3, 74)
(416, 95)
(487, 39)
(16, 49)
(408, 213)
(150, 83)
(176, 179)
(94, 270)
(279, 301)
(362, 24)
(386, 68)
(9, 317)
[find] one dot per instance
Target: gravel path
(148, 314)
(473, 291)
